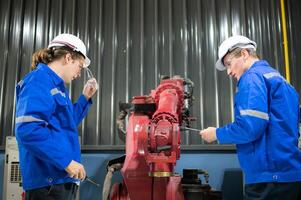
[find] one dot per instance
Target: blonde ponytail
(42, 55)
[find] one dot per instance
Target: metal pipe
(285, 43)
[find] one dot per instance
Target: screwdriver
(183, 128)
(91, 181)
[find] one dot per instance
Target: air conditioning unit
(12, 183)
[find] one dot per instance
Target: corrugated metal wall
(133, 42)
(294, 30)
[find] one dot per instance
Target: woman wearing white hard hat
(46, 120)
(265, 129)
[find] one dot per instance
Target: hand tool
(183, 128)
(92, 181)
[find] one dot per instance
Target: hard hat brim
(87, 62)
(219, 65)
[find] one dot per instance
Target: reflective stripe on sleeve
(55, 91)
(275, 74)
(255, 113)
(272, 74)
(20, 83)
(29, 118)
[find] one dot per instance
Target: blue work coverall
(265, 129)
(46, 128)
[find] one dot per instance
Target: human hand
(76, 170)
(90, 88)
(208, 134)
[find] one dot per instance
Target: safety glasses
(89, 73)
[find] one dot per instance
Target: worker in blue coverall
(265, 129)
(46, 120)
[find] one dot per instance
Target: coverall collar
(56, 79)
(255, 64)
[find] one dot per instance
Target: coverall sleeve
(251, 117)
(80, 109)
(299, 114)
(34, 109)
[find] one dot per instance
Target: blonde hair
(54, 53)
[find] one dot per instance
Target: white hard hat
(73, 42)
(230, 44)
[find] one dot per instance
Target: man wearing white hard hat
(265, 129)
(46, 120)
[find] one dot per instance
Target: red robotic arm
(153, 143)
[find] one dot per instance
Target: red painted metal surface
(153, 147)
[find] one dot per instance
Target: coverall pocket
(61, 110)
(62, 101)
